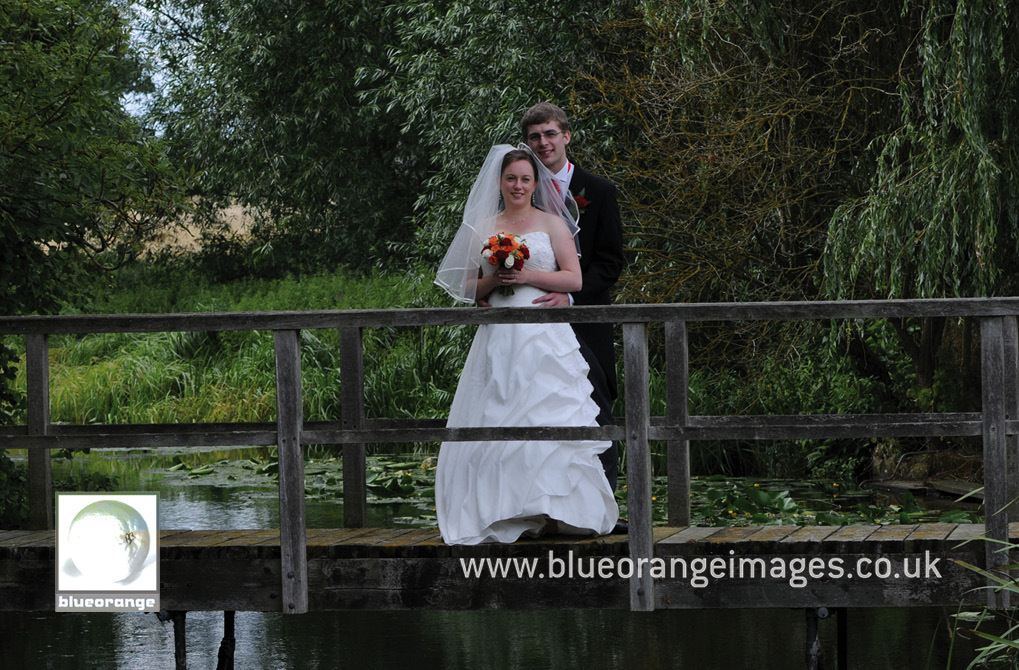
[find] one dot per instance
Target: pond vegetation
(401, 488)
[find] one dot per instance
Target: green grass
(229, 376)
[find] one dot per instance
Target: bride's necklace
(512, 222)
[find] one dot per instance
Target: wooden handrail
(416, 317)
(997, 423)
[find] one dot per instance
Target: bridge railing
(996, 422)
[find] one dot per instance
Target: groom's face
(548, 142)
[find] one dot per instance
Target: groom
(547, 132)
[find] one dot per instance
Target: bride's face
(517, 183)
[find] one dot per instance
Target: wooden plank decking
(399, 569)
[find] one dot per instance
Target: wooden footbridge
(294, 569)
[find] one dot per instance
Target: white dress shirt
(564, 176)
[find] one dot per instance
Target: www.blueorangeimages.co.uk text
(700, 572)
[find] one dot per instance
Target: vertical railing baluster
(355, 491)
(638, 464)
(289, 423)
(40, 469)
(677, 413)
(995, 465)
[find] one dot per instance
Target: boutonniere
(581, 201)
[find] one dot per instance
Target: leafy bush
(13, 493)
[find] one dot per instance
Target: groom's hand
(553, 300)
(483, 302)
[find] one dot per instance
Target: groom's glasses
(548, 135)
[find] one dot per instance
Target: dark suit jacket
(601, 261)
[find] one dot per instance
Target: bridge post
(180, 642)
(994, 414)
(1010, 337)
(40, 467)
(638, 465)
(677, 413)
(1011, 350)
(842, 638)
(814, 652)
(355, 488)
(225, 659)
(289, 423)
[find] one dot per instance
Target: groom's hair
(544, 112)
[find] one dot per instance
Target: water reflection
(500, 640)
(211, 508)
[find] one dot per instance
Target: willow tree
(461, 73)
(941, 215)
(741, 129)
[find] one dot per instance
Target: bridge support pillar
(814, 651)
(842, 638)
(226, 647)
(180, 644)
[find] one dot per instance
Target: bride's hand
(506, 277)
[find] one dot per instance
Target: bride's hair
(518, 155)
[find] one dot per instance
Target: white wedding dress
(522, 375)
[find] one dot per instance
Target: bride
(519, 374)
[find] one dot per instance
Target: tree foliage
(461, 74)
(259, 97)
(939, 218)
(941, 215)
(82, 184)
(744, 129)
(78, 176)
(353, 126)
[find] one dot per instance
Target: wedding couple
(533, 374)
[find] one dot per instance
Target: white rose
(509, 261)
(487, 253)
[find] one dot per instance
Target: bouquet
(508, 250)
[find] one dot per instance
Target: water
(562, 640)
(897, 639)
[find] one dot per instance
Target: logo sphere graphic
(109, 541)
